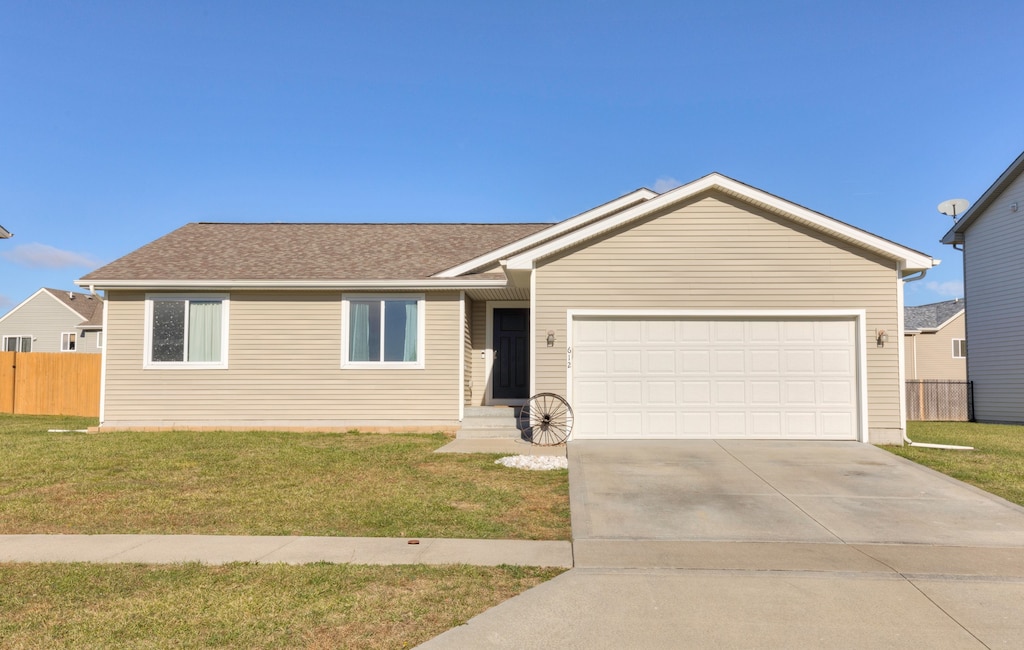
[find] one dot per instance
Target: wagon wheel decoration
(546, 419)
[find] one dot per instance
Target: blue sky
(121, 121)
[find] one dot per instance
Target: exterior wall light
(881, 338)
(551, 338)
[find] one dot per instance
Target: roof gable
(910, 260)
(493, 257)
(82, 305)
(933, 316)
(955, 235)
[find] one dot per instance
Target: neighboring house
(991, 235)
(935, 341)
(714, 310)
(51, 320)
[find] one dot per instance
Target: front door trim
(489, 349)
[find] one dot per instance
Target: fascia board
(911, 259)
(63, 304)
(950, 320)
(955, 234)
(493, 257)
(25, 302)
(5, 234)
(293, 284)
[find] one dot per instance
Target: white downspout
(907, 440)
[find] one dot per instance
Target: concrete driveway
(721, 544)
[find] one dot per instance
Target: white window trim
(958, 346)
(17, 336)
(147, 361)
(421, 333)
(65, 340)
(99, 339)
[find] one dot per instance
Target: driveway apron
(769, 544)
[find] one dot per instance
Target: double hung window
(17, 344)
(382, 331)
(187, 331)
(67, 342)
(959, 348)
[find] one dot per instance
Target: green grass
(245, 605)
(265, 483)
(995, 465)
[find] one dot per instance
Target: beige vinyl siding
(994, 287)
(45, 318)
(284, 367)
(478, 366)
(930, 355)
(716, 253)
(467, 361)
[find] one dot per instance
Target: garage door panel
(765, 361)
(728, 378)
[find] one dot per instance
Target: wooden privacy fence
(50, 383)
(931, 399)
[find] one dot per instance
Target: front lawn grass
(995, 465)
(266, 483)
(246, 605)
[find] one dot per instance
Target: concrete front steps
(490, 422)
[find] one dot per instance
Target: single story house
(714, 310)
(936, 341)
(51, 320)
(991, 235)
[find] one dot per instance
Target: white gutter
(906, 439)
(418, 284)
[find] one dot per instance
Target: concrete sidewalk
(222, 549)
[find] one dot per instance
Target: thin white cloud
(951, 288)
(41, 256)
(665, 184)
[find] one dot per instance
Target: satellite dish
(953, 207)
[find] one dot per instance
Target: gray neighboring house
(51, 320)
(935, 341)
(991, 236)
(714, 310)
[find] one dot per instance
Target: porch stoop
(490, 422)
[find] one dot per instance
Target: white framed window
(68, 341)
(18, 343)
(382, 331)
(959, 348)
(186, 331)
(99, 339)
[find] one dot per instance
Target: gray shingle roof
(930, 316)
(311, 251)
(84, 304)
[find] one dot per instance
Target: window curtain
(359, 334)
(411, 332)
(204, 331)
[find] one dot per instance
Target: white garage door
(729, 378)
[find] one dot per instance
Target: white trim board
(489, 350)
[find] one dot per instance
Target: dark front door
(511, 376)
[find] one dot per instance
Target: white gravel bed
(534, 462)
